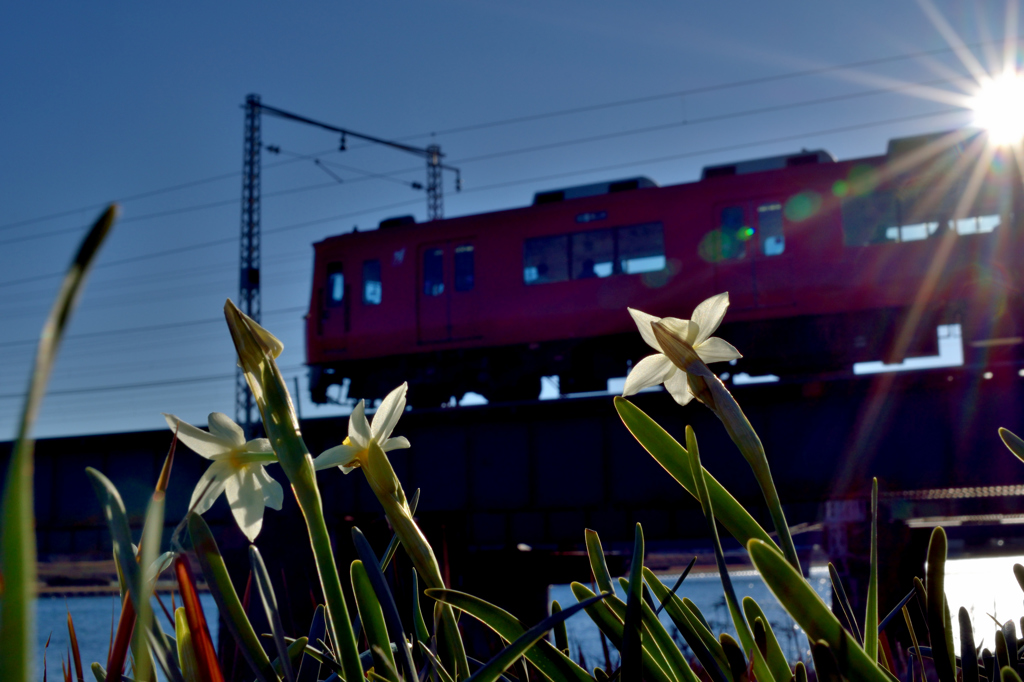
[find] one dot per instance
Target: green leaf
(17, 513)
(871, 611)
(497, 665)
(800, 672)
(295, 649)
(968, 654)
(844, 602)
(1010, 633)
(392, 547)
(675, 460)
(611, 625)
(810, 612)
(228, 603)
(372, 619)
(631, 659)
(420, 625)
(664, 650)
(1009, 675)
(445, 677)
(309, 668)
(737, 661)
(266, 592)
(825, 664)
(561, 636)
(98, 672)
(938, 613)
(549, 660)
(598, 566)
(760, 666)
(678, 584)
(773, 656)
(704, 645)
(386, 601)
(1013, 442)
(696, 613)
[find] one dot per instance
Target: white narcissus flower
(658, 369)
(237, 471)
(352, 453)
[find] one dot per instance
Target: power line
(534, 117)
(148, 328)
(145, 384)
(152, 193)
(705, 119)
(401, 204)
(700, 90)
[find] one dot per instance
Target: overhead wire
(747, 82)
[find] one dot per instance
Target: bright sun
(999, 107)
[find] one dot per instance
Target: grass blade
(497, 665)
(309, 669)
(892, 614)
(266, 592)
(761, 670)
(713, 661)
(811, 614)
(604, 616)
(386, 601)
(544, 655)
(202, 643)
(664, 647)
(17, 513)
(73, 638)
(844, 602)
(677, 585)
(372, 618)
(675, 460)
(392, 547)
(968, 654)
(938, 618)
(734, 654)
(632, 662)
(561, 635)
(871, 610)
(598, 565)
(223, 591)
(1013, 442)
(772, 652)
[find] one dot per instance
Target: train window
(978, 224)
(870, 219)
(546, 259)
(372, 289)
(641, 248)
(335, 285)
(433, 272)
(464, 269)
(733, 234)
(593, 254)
(769, 224)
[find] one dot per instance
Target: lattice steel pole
(246, 413)
(435, 186)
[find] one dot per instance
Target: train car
(826, 262)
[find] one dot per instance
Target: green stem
(282, 427)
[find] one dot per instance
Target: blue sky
(108, 101)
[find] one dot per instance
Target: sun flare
(999, 107)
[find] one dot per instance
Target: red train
(827, 263)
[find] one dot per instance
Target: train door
(334, 308)
(447, 301)
(731, 248)
(774, 265)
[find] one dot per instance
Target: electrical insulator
(341, 147)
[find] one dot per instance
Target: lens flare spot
(863, 179)
(802, 206)
(744, 233)
(840, 188)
